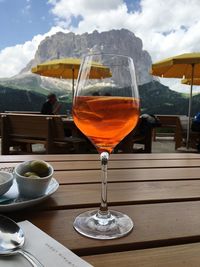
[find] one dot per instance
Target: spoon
(12, 240)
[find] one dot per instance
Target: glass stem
(104, 156)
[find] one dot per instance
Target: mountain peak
(124, 42)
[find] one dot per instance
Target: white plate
(11, 200)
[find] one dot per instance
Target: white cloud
(15, 58)
(64, 8)
(166, 28)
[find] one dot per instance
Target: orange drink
(105, 120)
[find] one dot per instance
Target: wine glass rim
(106, 54)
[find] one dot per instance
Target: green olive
(28, 174)
(34, 176)
(39, 167)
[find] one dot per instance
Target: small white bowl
(31, 187)
(6, 181)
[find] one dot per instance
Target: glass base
(95, 224)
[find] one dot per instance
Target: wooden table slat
(127, 175)
(68, 196)
(91, 157)
(117, 164)
(155, 225)
(160, 192)
(173, 256)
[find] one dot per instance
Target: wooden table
(160, 192)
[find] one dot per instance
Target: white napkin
(46, 249)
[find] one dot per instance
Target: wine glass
(105, 108)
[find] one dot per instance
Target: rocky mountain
(38, 84)
(63, 45)
(155, 97)
(121, 42)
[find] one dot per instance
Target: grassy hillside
(155, 99)
(22, 100)
(159, 99)
(14, 99)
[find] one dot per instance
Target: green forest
(155, 99)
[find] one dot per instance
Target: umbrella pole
(189, 110)
(72, 82)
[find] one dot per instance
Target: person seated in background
(51, 106)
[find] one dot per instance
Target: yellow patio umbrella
(68, 68)
(182, 66)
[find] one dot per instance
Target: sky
(166, 28)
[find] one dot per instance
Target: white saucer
(11, 200)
